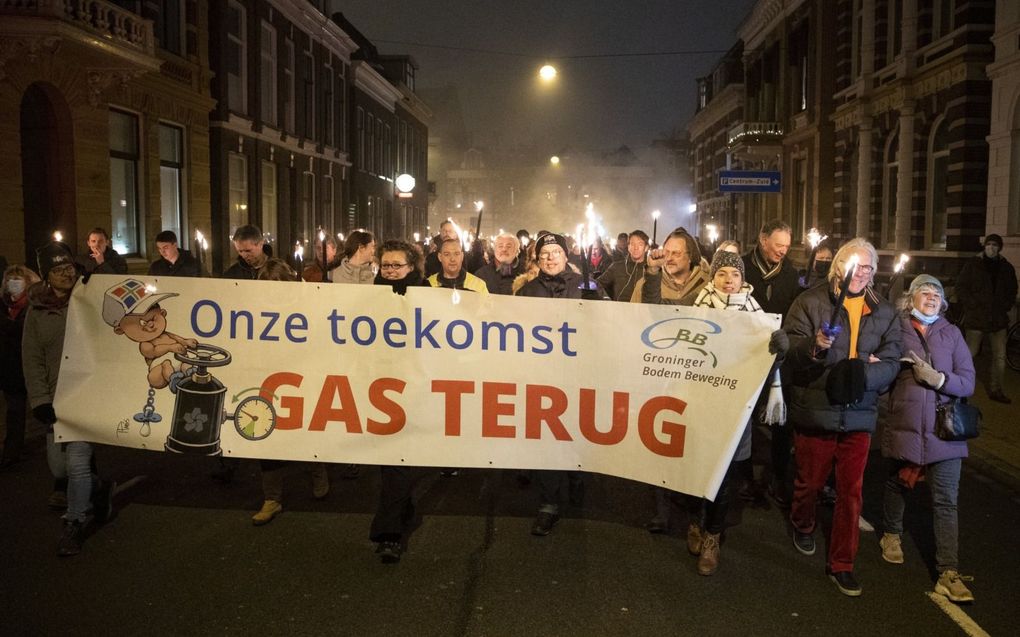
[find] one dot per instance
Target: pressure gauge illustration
(255, 418)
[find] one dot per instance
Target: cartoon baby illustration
(132, 309)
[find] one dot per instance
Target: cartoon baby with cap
(132, 309)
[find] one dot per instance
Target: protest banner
(358, 374)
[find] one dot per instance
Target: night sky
(596, 103)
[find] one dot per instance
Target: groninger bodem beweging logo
(690, 355)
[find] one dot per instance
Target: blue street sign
(750, 181)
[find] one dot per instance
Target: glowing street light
(547, 73)
(554, 160)
(713, 233)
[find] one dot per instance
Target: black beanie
(51, 255)
(549, 239)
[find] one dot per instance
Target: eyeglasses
(865, 269)
(551, 254)
(392, 266)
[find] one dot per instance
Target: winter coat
(621, 277)
(242, 271)
(465, 281)
(777, 294)
(113, 263)
(565, 285)
(42, 344)
(909, 431)
(667, 292)
(805, 376)
(496, 281)
(12, 378)
(185, 265)
(987, 290)
(346, 272)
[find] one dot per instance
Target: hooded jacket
(42, 344)
(805, 375)
(987, 290)
(909, 431)
(347, 272)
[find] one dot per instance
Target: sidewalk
(996, 452)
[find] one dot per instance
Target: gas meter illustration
(132, 309)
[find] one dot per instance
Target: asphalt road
(182, 558)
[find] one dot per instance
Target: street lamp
(554, 160)
(655, 226)
(547, 73)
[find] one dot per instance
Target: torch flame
(902, 261)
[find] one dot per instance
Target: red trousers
(816, 453)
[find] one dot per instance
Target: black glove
(44, 413)
(846, 382)
(591, 295)
(779, 343)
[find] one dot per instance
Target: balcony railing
(755, 132)
(103, 19)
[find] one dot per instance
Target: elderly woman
(941, 368)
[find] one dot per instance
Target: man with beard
(556, 281)
(506, 266)
(686, 272)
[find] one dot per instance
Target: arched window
(890, 183)
(1014, 172)
(938, 171)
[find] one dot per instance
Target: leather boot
(708, 561)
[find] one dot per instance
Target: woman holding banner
(42, 351)
(273, 470)
(400, 267)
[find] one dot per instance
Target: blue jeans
(944, 483)
(80, 480)
(997, 341)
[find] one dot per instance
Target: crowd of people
(843, 348)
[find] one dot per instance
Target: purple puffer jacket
(910, 428)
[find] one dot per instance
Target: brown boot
(694, 539)
(708, 561)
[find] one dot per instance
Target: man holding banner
(554, 280)
(844, 350)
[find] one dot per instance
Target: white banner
(357, 374)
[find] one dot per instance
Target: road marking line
(956, 613)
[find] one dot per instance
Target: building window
(370, 143)
(329, 113)
(341, 110)
(169, 25)
(267, 75)
(288, 86)
(388, 167)
(858, 36)
(236, 59)
(938, 171)
(307, 203)
(124, 154)
(895, 40)
(890, 184)
(800, 202)
(237, 190)
(402, 148)
(328, 214)
(309, 93)
(942, 18)
(360, 124)
(171, 165)
(270, 219)
(379, 168)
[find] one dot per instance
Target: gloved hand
(44, 413)
(779, 343)
(847, 382)
(925, 374)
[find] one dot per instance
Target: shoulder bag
(955, 419)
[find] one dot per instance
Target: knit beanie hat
(993, 238)
(926, 279)
(550, 239)
(727, 259)
(52, 254)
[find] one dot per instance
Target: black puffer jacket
(12, 379)
(565, 285)
(987, 290)
(805, 376)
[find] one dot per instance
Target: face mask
(15, 286)
(822, 267)
(924, 318)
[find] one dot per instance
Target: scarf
(767, 272)
(15, 306)
(739, 301)
(400, 286)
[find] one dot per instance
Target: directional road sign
(750, 181)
